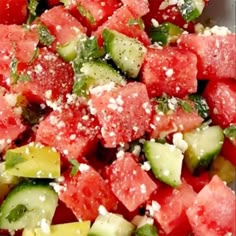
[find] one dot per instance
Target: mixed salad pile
(117, 118)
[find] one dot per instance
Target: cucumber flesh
(127, 53)
(203, 145)
(191, 9)
(28, 205)
(166, 162)
(111, 225)
(165, 33)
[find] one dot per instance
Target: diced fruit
(32, 79)
(75, 229)
(183, 117)
(221, 99)
(30, 204)
(214, 200)
(165, 33)
(112, 225)
(62, 25)
(166, 162)
(85, 192)
(13, 12)
(91, 13)
(131, 185)
(120, 21)
(123, 113)
(203, 145)
(10, 124)
(146, 230)
(137, 7)
(215, 54)
(228, 150)
(127, 53)
(72, 131)
(169, 209)
(33, 161)
(170, 71)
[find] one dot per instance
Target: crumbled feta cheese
(179, 142)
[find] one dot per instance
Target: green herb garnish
(230, 132)
(75, 167)
(45, 37)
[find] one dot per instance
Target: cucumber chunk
(33, 161)
(166, 162)
(203, 145)
(191, 9)
(146, 230)
(68, 51)
(127, 53)
(165, 33)
(70, 229)
(111, 225)
(28, 205)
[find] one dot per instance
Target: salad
(117, 118)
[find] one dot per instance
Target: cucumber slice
(70, 229)
(33, 161)
(111, 225)
(101, 72)
(203, 145)
(68, 51)
(146, 230)
(166, 162)
(95, 73)
(165, 33)
(28, 205)
(127, 53)
(191, 9)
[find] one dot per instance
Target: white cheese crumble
(179, 142)
(102, 210)
(45, 226)
(140, 221)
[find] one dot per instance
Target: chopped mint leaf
(84, 12)
(24, 78)
(32, 7)
(17, 213)
(138, 22)
(81, 86)
(13, 69)
(200, 105)
(88, 49)
(13, 159)
(185, 105)
(75, 167)
(146, 230)
(45, 37)
(162, 104)
(230, 132)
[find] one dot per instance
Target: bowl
(221, 13)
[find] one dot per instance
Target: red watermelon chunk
(62, 25)
(10, 124)
(171, 71)
(137, 7)
(123, 113)
(92, 13)
(177, 120)
(120, 21)
(169, 209)
(129, 182)
(85, 192)
(213, 210)
(47, 78)
(216, 54)
(73, 131)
